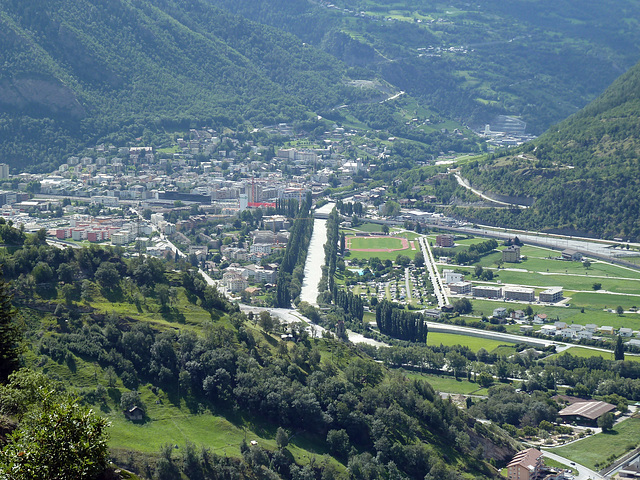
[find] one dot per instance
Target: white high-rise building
(244, 201)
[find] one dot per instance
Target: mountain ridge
(585, 172)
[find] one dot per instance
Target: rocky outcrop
(40, 96)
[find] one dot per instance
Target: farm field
(597, 448)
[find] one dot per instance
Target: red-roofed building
(525, 465)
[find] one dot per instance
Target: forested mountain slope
(584, 173)
(79, 70)
(118, 332)
(470, 61)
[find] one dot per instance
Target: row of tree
(291, 269)
(400, 323)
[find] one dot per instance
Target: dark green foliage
(399, 323)
(119, 71)
(351, 305)
(10, 334)
(505, 405)
(56, 438)
(508, 46)
(462, 306)
(584, 174)
(331, 247)
(606, 421)
(618, 350)
(291, 271)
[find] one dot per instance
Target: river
(315, 258)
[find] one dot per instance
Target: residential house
(518, 315)
(452, 277)
(521, 294)
(525, 465)
(607, 330)
(566, 333)
(540, 318)
(444, 240)
(625, 332)
(234, 282)
(548, 330)
(584, 334)
(499, 312)
(483, 291)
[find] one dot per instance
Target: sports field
(376, 244)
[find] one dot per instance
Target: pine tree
(10, 334)
(618, 351)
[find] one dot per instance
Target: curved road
(464, 183)
(584, 473)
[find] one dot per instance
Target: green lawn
(604, 300)
(381, 255)
(474, 343)
(596, 449)
(587, 353)
(369, 227)
(375, 242)
(443, 383)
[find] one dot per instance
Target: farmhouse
(571, 255)
(135, 413)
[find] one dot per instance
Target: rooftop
(526, 458)
(591, 410)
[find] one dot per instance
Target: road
(584, 473)
(434, 275)
(465, 183)
(510, 337)
(593, 246)
(407, 285)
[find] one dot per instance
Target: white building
(452, 277)
(551, 295)
(234, 282)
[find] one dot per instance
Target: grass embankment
(450, 384)
(594, 451)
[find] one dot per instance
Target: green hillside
(221, 386)
(80, 71)
(77, 72)
(470, 61)
(584, 173)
